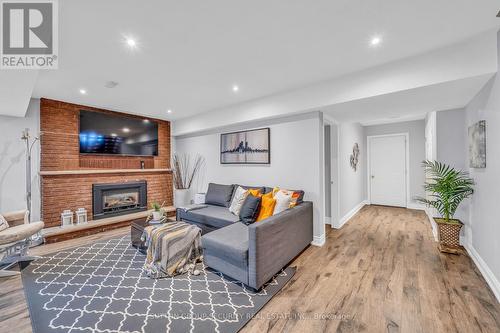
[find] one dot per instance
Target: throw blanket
(173, 248)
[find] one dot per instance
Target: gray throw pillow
(250, 209)
(219, 195)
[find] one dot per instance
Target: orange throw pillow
(255, 192)
(266, 207)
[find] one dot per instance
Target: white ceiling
(189, 54)
(409, 104)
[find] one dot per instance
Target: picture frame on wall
(246, 147)
(477, 145)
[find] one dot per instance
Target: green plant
(156, 206)
(447, 188)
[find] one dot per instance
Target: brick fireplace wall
(59, 129)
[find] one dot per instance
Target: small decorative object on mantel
(184, 172)
(81, 216)
(477, 145)
(67, 218)
(354, 157)
(447, 188)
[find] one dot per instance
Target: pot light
(126, 130)
(131, 42)
(376, 41)
(236, 88)
(83, 91)
(169, 111)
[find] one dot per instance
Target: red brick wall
(75, 191)
(60, 151)
(59, 124)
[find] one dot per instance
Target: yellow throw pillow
(266, 207)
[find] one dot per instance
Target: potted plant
(447, 188)
(157, 213)
(184, 171)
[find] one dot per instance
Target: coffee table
(136, 230)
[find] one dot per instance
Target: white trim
(318, 240)
(485, 270)
(433, 224)
(393, 120)
(350, 214)
(407, 162)
(328, 220)
(417, 206)
(327, 120)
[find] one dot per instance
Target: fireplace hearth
(118, 199)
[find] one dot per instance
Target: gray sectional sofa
(252, 253)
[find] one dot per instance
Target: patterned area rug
(102, 288)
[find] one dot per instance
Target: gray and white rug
(102, 288)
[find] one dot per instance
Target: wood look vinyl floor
(381, 272)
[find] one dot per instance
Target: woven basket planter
(449, 235)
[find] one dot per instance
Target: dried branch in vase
(185, 169)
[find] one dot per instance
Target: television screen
(104, 133)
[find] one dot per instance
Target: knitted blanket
(173, 248)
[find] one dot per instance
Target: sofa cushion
(20, 232)
(239, 196)
(229, 243)
(250, 209)
(219, 195)
(3, 223)
(213, 216)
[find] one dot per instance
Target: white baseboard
(350, 214)
(328, 220)
(318, 240)
(433, 224)
(415, 205)
(485, 270)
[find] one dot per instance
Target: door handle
(373, 176)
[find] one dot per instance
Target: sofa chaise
(252, 253)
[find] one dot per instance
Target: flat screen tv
(116, 134)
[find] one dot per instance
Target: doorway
(388, 170)
(331, 173)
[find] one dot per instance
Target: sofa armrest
(275, 241)
(16, 218)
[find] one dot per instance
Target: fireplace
(118, 199)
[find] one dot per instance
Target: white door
(387, 172)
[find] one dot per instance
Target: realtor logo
(29, 34)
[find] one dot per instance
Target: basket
(449, 233)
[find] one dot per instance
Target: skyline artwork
(246, 147)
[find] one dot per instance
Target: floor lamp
(36, 239)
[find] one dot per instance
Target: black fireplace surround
(118, 199)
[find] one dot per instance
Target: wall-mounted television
(116, 134)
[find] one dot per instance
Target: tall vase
(181, 197)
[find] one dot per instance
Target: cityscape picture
(246, 147)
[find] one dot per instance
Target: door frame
(407, 163)
(335, 218)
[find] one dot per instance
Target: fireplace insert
(118, 199)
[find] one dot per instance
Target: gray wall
(13, 163)
(352, 183)
(416, 131)
(296, 160)
(483, 229)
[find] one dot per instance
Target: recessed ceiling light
(131, 42)
(376, 41)
(83, 91)
(125, 129)
(169, 111)
(236, 88)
